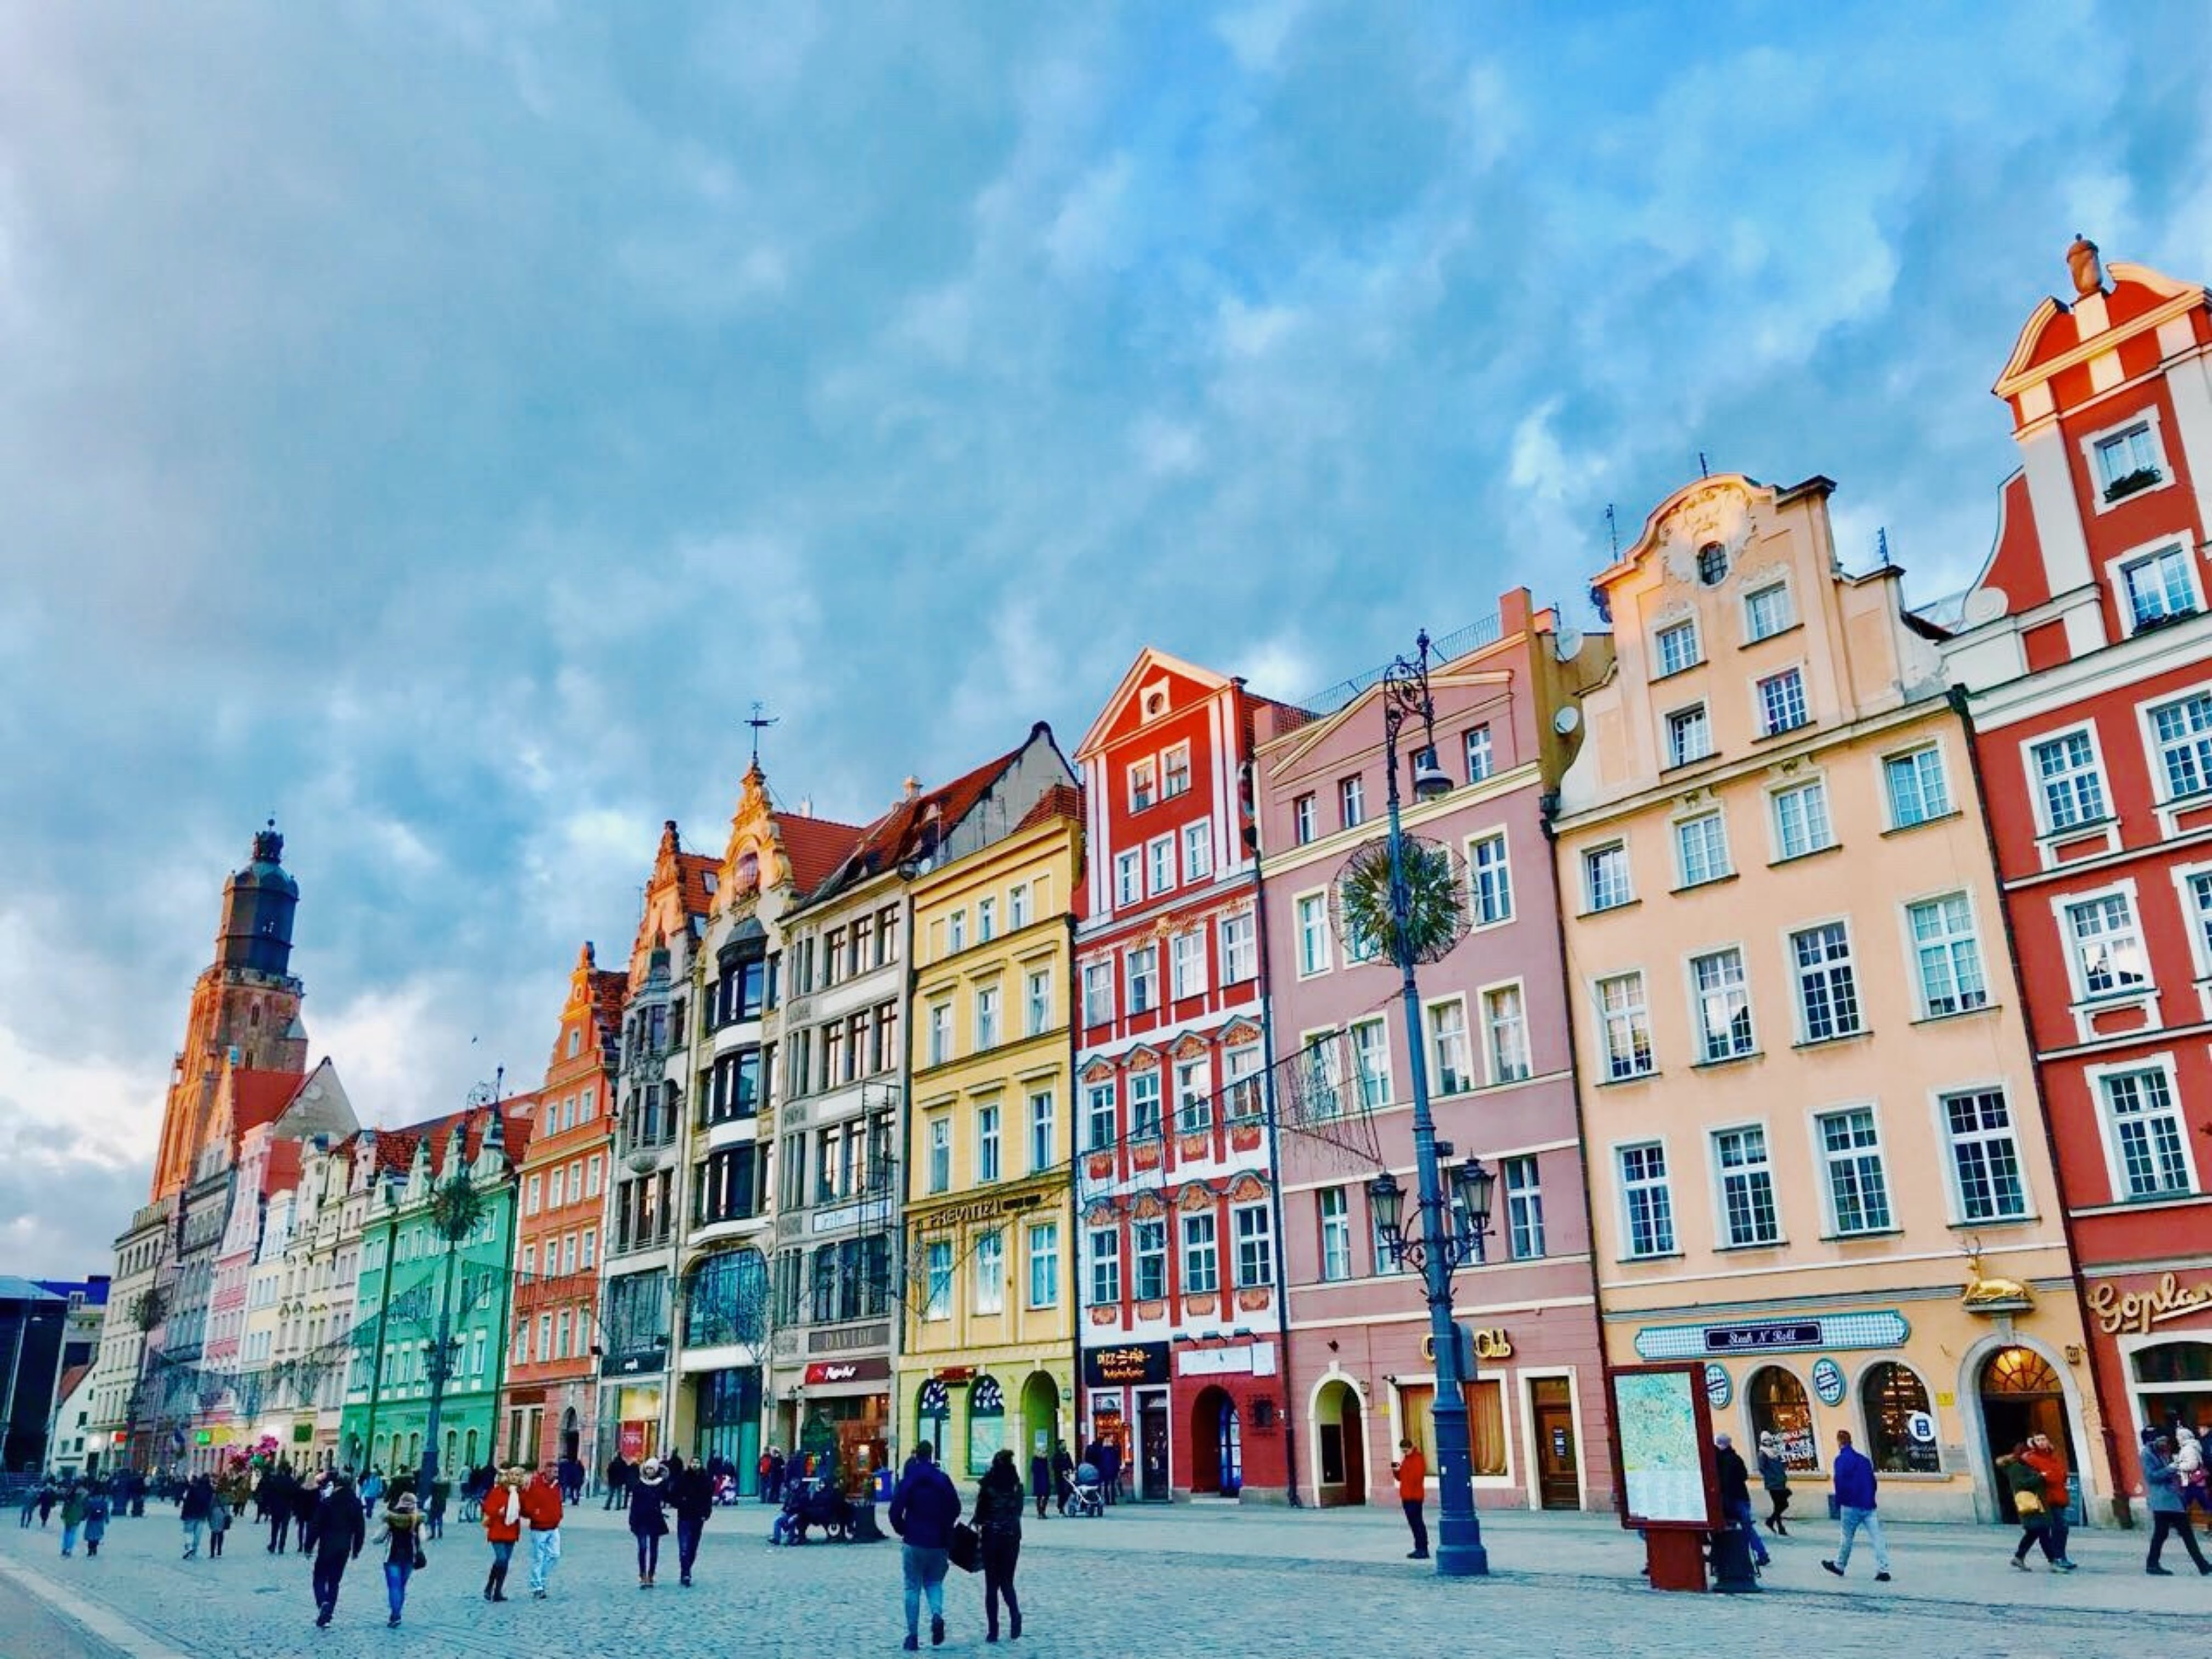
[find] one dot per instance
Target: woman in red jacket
(502, 1521)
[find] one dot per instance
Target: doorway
(572, 1436)
(1040, 1416)
(1552, 1410)
(1153, 1437)
(1341, 1442)
(2021, 1395)
(1216, 1443)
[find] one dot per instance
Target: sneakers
(2020, 1565)
(2065, 1566)
(2159, 1571)
(1833, 1568)
(392, 1623)
(1882, 1577)
(910, 1644)
(936, 1632)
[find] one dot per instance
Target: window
(1448, 1049)
(937, 1265)
(1151, 1239)
(990, 1272)
(2127, 461)
(1240, 1082)
(1605, 878)
(1782, 703)
(1892, 1397)
(1042, 1150)
(1689, 736)
(1948, 959)
(1197, 851)
(1313, 934)
(1098, 1111)
(1627, 1024)
(1800, 819)
(1678, 647)
(1255, 1246)
(956, 939)
(1105, 1266)
(1524, 1208)
(2073, 787)
(1479, 760)
(940, 1153)
(1370, 1048)
(1747, 1186)
(1827, 984)
(2183, 733)
(1648, 1204)
(1143, 979)
(1723, 1007)
(1193, 1097)
(1142, 786)
(940, 1033)
(2157, 587)
(1098, 993)
(1360, 947)
(1917, 790)
(1159, 863)
(1145, 1103)
(1201, 1265)
(1351, 802)
(2200, 909)
(1984, 1158)
(1712, 564)
(987, 920)
(536, 1192)
(1506, 1021)
(1175, 772)
(1335, 1210)
(1044, 1264)
(1766, 613)
(1301, 819)
(1187, 953)
(1491, 878)
(1128, 878)
(1858, 1194)
(1701, 844)
(1017, 908)
(1240, 950)
(2108, 954)
(1036, 1003)
(987, 1143)
(2147, 1133)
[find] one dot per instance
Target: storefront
(1125, 1391)
(840, 1409)
(2152, 1335)
(1198, 1418)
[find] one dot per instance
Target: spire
(258, 907)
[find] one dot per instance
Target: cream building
(1818, 1162)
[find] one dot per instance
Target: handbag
(2027, 1503)
(966, 1548)
(421, 1559)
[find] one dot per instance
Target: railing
(1456, 644)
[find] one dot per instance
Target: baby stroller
(1088, 1499)
(812, 1503)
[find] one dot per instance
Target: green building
(410, 1278)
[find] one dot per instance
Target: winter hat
(652, 1472)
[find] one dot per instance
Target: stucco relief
(1720, 512)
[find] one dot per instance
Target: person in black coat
(336, 1531)
(925, 1508)
(691, 1494)
(275, 1494)
(306, 1496)
(617, 1482)
(648, 1490)
(1039, 1481)
(1063, 1474)
(999, 1522)
(1735, 1480)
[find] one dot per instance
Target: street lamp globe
(1472, 1186)
(1431, 781)
(1387, 1199)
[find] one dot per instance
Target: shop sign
(1259, 1359)
(1719, 1387)
(980, 1210)
(1922, 1427)
(823, 1371)
(1133, 1362)
(2117, 1310)
(1828, 1382)
(954, 1373)
(1488, 1344)
(1884, 1328)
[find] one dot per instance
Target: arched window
(1900, 1427)
(1712, 563)
(986, 1423)
(2020, 1371)
(1779, 1408)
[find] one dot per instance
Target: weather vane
(760, 722)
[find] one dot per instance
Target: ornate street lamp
(456, 1207)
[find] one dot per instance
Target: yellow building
(1817, 1156)
(988, 1355)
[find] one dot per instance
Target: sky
(434, 424)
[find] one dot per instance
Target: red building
(548, 1406)
(1182, 1339)
(2086, 651)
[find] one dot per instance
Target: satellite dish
(1566, 720)
(1437, 908)
(1566, 642)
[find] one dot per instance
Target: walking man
(692, 1493)
(1413, 1472)
(197, 1505)
(924, 1508)
(1855, 1502)
(1735, 1494)
(335, 1531)
(2044, 1458)
(275, 1494)
(617, 1482)
(541, 1507)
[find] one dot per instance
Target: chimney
(912, 786)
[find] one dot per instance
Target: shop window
(1485, 1422)
(1779, 1408)
(1895, 1401)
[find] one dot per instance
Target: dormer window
(2128, 460)
(1156, 701)
(1712, 564)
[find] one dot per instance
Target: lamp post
(1442, 1245)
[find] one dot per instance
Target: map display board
(1662, 1429)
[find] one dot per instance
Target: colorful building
(1494, 1029)
(1182, 1334)
(2085, 647)
(1806, 1091)
(988, 1350)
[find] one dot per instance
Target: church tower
(244, 1009)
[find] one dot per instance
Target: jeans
(1417, 1522)
(544, 1553)
(396, 1575)
(2166, 1523)
(280, 1531)
(1854, 1522)
(648, 1554)
(924, 1571)
(1740, 1515)
(327, 1571)
(1001, 1554)
(688, 1529)
(2050, 1534)
(69, 1538)
(192, 1537)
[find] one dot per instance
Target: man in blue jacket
(1854, 1486)
(924, 1509)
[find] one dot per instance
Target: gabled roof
(1150, 660)
(898, 834)
(259, 1097)
(816, 847)
(695, 868)
(1062, 801)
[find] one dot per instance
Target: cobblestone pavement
(1192, 1580)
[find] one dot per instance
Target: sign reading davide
(1131, 1363)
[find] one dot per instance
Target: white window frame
(1105, 1266)
(1494, 1057)
(937, 1280)
(1159, 865)
(1199, 1239)
(2154, 751)
(1529, 1197)
(2098, 1078)
(1752, 633)
(1334, 1230)
(1697, 1022)
(1374, 1082)
(1817, 782)
(1036, 1002)
(1799, 1008)
(1311, 940)
(1193, 984)
(1667, 717)
(1664, 1185)
(1046, 1259)
(1682, 827)
(1917, 975)
(1255, 1240)
(1915, 754)
(1129, 877)
(1441, 1075)
(1139, 1097)
(1198, 850)
(2032, 772)
(938, 1172)
(1759, 711)
(1143, 779)
(1141, 979)
(1097, 976)
(1107, 1093)
(1239, 942)
(2195, 915)
(2149, 416)
(1194, 1095)
(1591, 889)
(1478, 753)
(1017, 906)
(2063, 906)
(1175, 756)
(2154, 550)
(1043, 1115)
(1305, 826)
(1717, 1174)
(1666, 631)
(1351, 801)
(1641, 1004)
(1826, 1159)
(989, 1288)
(1503, 872)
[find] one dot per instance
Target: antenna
(760, 722)
(1881, 545)
(1704, 472)
(1613, 531)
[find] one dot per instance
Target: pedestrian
(335, 1530)
(1412, 1472)
(617, 1482)
(2169, 1511)
(401, 1538)
(1854, 1505)
(924, 1510)
(998, 1521)
(647, 1522)
(31, 1490)
(276, 1495)
(2057, 1494)
(1063, 1474)
(218, 1525)
(95, 1519)
(2025, 1485)
(1041, 1482)
(433, 1518)
(764, 1468)
(779, 1469)
(2189, 1465)
(691, 1493)
(1774, 1476)
(372, 1488)
(1735, 1495)
(503, 1522)
(1110, 1469)
(306, 1498)
(193, 1510)
(48, 1496)
(542, 1507)
(137, 1494)
(73, 1507)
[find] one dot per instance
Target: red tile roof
(259, 1097)
(816, 847)
(70, 1378)
(695, 868)
(897, 835)
(1062, 801)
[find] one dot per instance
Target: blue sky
(435, 423)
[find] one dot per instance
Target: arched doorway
(471, 1444)
(933, 1410)
(1340, 1444)
(1217, 1446)
(1040, 1416)
(452, 1449)
(1777, 1401)
(2021, 1395)
(572, 1436)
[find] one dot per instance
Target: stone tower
(245, 1010)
